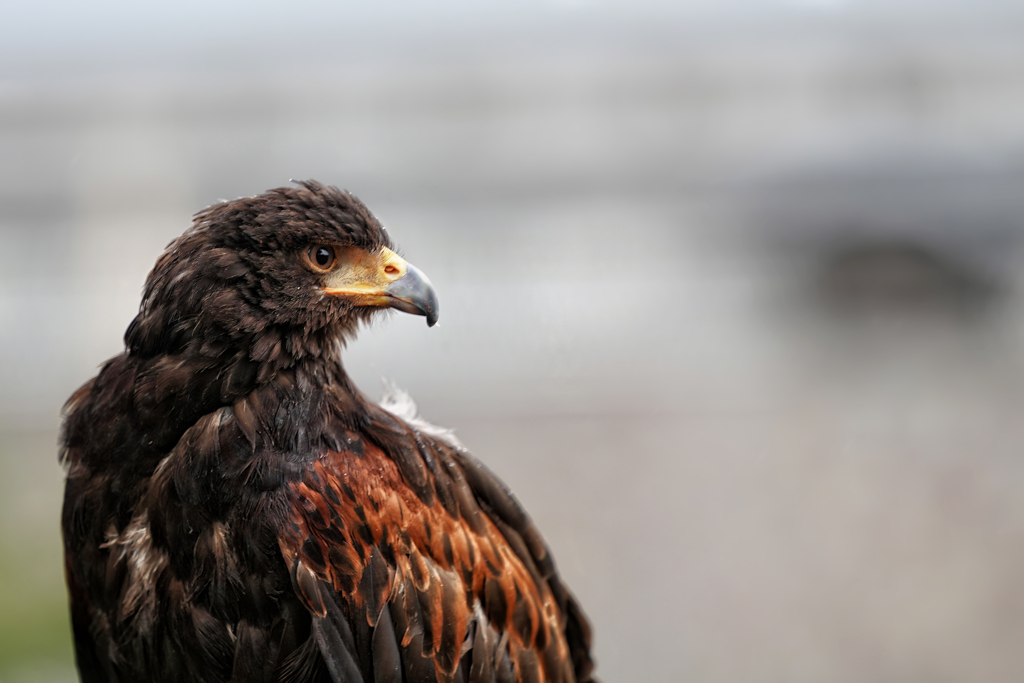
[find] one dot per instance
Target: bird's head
(292, 269)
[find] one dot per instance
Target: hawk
(236, 510)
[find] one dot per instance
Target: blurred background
(731, 291)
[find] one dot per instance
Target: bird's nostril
(391, 270)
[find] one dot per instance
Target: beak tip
(413, 293)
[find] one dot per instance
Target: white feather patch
(133, 548)
(399, 403)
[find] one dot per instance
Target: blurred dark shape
(902, 277)
(918, 192)
(915, 228)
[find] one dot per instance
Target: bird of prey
(236, 510)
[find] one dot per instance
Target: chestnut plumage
(236, 510)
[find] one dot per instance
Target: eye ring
(321, 257)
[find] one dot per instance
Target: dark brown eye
(321, 257)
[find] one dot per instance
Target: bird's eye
(321, 257)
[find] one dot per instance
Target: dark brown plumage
(236, 510)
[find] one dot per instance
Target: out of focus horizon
(730, 292)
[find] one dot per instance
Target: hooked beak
(412, 293)
(383, 279)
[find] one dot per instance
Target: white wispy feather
(399, 403)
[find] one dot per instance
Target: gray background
(730, 292)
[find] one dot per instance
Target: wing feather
(333, 636)
(404, 610)
(432, 563)
(387, 660)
